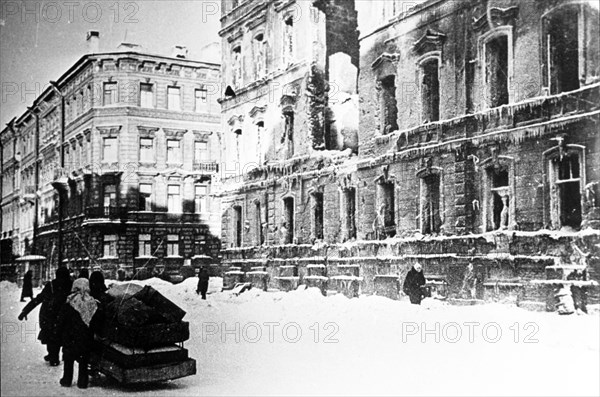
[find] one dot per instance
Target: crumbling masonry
(462, 135)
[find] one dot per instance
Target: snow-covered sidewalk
(302, 343)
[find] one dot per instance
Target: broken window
(430, 90)
(317, 211)
(563, 50)
(258, 226)
(288, 41)
(260, 131)
(430, 204)
(385, 223)
(260, 56)
(287, 228)
(499, 205)
(349, 196)
(236, 66)
(389, 104)
(288, 134)
(567, 189)
(496, 70)
(237, 226)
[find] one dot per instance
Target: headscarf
(97, 286)
(81, 300)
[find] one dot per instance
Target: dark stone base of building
(528, 269)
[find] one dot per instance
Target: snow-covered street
(300, 342)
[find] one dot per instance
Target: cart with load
(142, 338)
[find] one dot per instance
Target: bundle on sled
(142, 339)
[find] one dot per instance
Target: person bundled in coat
(413, 282)
(203, 282)
(79, 317)
(52, 297)
(27, 291)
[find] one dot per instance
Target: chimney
(93, 41)
(179, 51)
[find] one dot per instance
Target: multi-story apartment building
(114, 166)
(477, 152)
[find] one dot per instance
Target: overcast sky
(41, 39)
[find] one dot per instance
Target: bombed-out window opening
(287, 226)
(562, 44)
(258, 224)
(385, 221)
(237, 226)
(317, 215)
(430, 90)
(349, 196)
(260, 56)
(389, 105)
(567, 189)
(289, 46)
(430, 204)
(236, 66)
(496, 70)
(288, 133)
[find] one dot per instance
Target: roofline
(85, 59)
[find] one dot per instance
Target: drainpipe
(59, 239)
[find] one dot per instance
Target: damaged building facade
(113, 167)
(469, 144)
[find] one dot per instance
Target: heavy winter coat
(27, 286)
(77, 337)
(52, 298)
(203, 281)
(413, 282)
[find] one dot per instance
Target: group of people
(71, 311)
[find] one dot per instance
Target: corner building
(114, 167)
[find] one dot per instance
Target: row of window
(147, 98)
(563, 66)
(259, 56)
(145, 247)
(147, 150)
(147, 198)
(495, 211)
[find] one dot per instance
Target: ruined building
(113, 166)
(459, 134)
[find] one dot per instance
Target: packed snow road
(300, 342)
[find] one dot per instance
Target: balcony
(209, 167)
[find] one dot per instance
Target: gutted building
(476, 153)
(114, 166)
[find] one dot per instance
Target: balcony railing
(206, 166)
